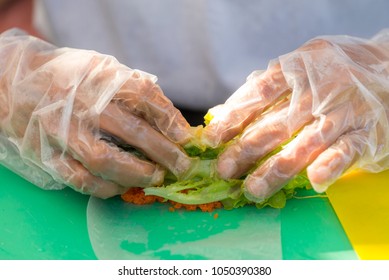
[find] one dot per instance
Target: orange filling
(137, 196)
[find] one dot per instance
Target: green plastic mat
(38, 224)
(310, 229)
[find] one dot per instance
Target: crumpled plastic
(60, 107)
(325, 104)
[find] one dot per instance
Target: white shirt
(202, 50)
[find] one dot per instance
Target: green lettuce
(205, 187)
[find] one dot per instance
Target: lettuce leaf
(205, 187)
(229, 192)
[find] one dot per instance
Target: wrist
(20, 56)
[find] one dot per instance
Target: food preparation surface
(39, 224)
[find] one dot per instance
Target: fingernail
(227, 168)
(209, 138)
(181, 165)
(320, 188)
(256, 189)
(320, 177)
(158, 176)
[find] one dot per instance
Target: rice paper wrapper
(120, 230)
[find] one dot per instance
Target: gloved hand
(60, 108)
(329, 98)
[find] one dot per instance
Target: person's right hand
(61, 107)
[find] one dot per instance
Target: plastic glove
(329, 98)
(59, 106)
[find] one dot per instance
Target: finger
(230, 118)
(138, 133)
(142, 97)
(256, 141)
(74, 174)
(60, 165)
(334, 161)
(279, 169)
(263, 136)
(99, 157)
(113, 164)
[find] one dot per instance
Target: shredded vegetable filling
(204, 191)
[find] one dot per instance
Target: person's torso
(202, 50)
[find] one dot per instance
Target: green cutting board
(39, 224)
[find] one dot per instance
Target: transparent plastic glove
(329, 98)
(61, 107)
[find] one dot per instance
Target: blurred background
(19, 13)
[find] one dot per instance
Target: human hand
(59, 107)
(329, 98)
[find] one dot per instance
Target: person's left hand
(330, 98)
